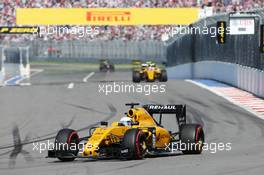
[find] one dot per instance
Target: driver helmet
(127, 121)
(144, 65)
(152, 64)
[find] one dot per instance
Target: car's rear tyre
(112, 68)
(66, 144)
(102, 69)
(163, 76)
(192, 138)
(134, 143)
(136, 76)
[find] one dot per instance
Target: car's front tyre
(133, 145)
(136, 77)
(66, 144)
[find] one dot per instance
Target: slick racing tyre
(133, 145)
(112, 68)
(163, 76)
(102, 69)
(66, 144)
(192, 139)
(136, 76)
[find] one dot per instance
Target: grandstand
(134, 33)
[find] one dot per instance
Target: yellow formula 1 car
(149, 72)
(135, 136)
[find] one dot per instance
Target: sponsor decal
(108, 16)
(19, 30)
(242, 25)
(221, 34)
(124, 151)
(162, 107)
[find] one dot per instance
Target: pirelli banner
(106, 16)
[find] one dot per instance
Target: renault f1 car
(142, 136)
(106, 66)
(149, 71)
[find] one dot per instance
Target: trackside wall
(246, 78)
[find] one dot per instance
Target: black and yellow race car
(150, 72)
(135, 136)
(106, 66)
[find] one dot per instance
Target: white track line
(25, 84)
(36, 71)
(71, 86)
(88, 76)
(227, 98)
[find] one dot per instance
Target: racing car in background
(136, 64)
(135, 136)
(150, 72)
(106, 66)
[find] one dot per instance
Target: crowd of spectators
(8, 16)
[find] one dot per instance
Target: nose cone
(90, 151)
(151, 75)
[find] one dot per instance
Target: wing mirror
(104, 123)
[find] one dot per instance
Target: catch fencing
(91, 51)
(238, 62)
(238, 49)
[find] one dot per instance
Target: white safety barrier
(13, 71)
(246, 78)
(1, 79)
(24, 70)
(2, 69)
(24, 66)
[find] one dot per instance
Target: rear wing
(178, 110)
